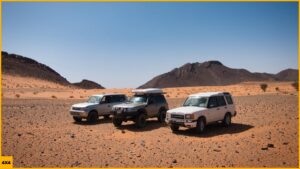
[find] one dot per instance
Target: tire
(92, 117)
(174, 127)
(77, 119)
(161, 116)
(200, 125)
(117, 122)
(227, 120)
(106, 116)
(140, 120)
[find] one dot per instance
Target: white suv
(200, 109)
(95, 106)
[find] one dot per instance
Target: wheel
(227, 120)
(161, 116)
(106, 116)
(117, 122)
(140, 120)
(77, 119)
(174, 127)
(92, 117)
(200, 125)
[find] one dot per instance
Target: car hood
(186, 110)
(82, 105)
(129, 105)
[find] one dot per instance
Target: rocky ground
(41, 133)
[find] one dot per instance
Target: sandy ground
(20, 87)
(39, 132)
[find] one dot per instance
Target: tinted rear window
(118, 98)
(229, 99)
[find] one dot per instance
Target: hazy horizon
(123, 45)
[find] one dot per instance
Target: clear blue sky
(126, 44)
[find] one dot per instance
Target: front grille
(76, 108)
(177, 116)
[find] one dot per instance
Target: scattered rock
(270, 146)
(123, 131)
(264, 148)
(174, 161)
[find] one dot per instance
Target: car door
(223, 108)
(213, 109)
(152, 106)
(104, 106)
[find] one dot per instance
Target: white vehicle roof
(148, 91)
(208, 94)
(108, 94)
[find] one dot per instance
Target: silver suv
(95, 106)
(145, 103)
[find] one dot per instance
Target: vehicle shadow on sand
(216, 130)
(99, 121)
(151, 125)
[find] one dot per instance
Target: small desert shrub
(71, 97)
(277, 88)
(18, 96)
(264, 87)
(167, 95)
(35, 93)
(53, 97)
(295, 85)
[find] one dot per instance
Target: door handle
(109, 106)
(218, 108)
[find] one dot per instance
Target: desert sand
(39, 132)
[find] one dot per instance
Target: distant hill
(87, 84)
(213, 73)
(288, 75)
(13, 64)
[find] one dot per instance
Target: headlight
(189, 116)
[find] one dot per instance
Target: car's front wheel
(77, 119)
(200, 125)
(140, 120)
(117, 122)
(174, 127)
(92, 117)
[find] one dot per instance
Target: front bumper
(124, 115)
(182, 122)
(78, 113)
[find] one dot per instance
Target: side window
(160, 99)
(229, 99)
(221, 101)
(117, 98)
(122, 98)
(212, 102)
(106, 99)
(152, 100)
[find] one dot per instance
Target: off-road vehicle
(95, 106)
(201, 109)
(145, 103)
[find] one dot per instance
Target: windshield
(196, 101)
(138, 99)
(94, 99)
